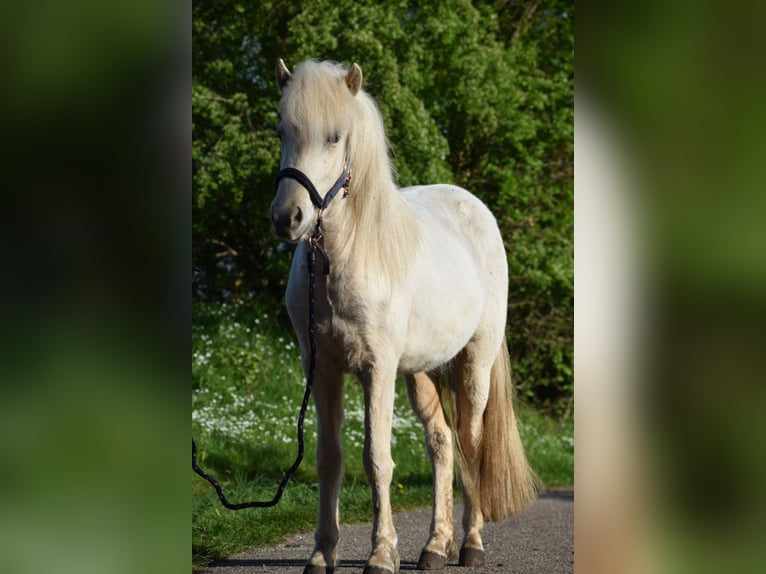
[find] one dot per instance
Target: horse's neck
(374, 235)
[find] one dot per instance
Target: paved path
(540, 540)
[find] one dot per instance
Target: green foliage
(475, 93)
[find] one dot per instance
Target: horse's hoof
(431, 561)
(312, 569)
(383, 555)
(471, 557)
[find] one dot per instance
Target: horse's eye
(333, 138)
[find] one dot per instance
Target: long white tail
(507, 483)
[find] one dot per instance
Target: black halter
(321, 204)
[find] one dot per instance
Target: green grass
(247, 387)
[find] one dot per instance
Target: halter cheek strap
(321, 204)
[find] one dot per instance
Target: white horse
(417, 285)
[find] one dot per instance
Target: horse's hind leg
(328, 399)
(424, 397)
(473, 371)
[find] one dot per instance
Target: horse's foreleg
(328, 400)
(424, 397)
(379, 406)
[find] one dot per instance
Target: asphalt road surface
(540, 540)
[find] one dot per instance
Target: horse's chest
(354, 326)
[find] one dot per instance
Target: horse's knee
(329, 460)
(378, 468)
(378, 463)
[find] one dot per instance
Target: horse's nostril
(298, 217)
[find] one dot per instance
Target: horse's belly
(432, 344)
(442, 320)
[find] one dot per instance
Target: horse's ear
(354, 79)
(283, 74)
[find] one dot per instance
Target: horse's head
(315, 129)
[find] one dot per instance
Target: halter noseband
(320, 203)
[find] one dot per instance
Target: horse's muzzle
(287, 222)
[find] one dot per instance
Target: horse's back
(463, 216)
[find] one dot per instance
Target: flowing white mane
(318, 99)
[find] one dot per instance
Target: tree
(476, 93)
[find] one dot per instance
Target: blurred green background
(674, 95)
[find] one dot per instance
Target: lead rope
(313, 244)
